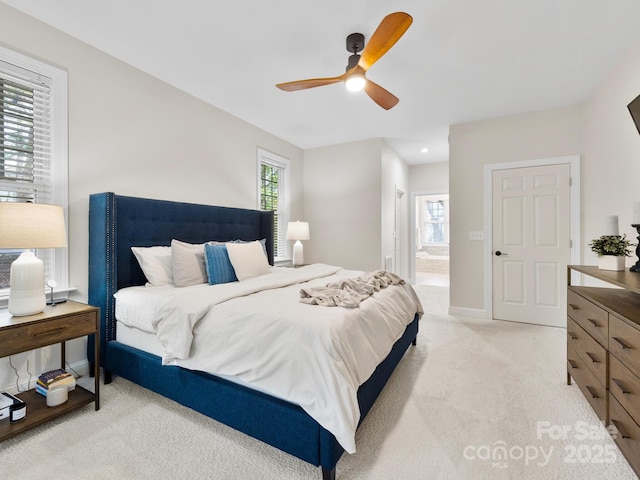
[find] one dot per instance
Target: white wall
(135, 135)
(611, 154)
(342, 202)
(551, 133)
(429, 178)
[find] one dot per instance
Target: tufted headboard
(117, 223)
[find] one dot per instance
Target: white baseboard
(78, 369)
(470, 312)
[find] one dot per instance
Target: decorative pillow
(187, 263)
(248, 259)
(155, 263)
(219, 268)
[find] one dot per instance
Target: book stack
(55, 378)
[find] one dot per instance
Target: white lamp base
(26, 293)
(298, 257)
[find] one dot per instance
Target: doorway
(431, 259)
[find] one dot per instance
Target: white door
(531, 244)
(398, 235)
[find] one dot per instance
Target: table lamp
(29, 226)
(298, 231)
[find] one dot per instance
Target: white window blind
(33, 148)
(273, 191)
(25, 131)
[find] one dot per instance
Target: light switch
(476, 235)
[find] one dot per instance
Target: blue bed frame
(116, 223)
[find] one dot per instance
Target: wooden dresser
(603, 351)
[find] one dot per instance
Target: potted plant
(611, 251)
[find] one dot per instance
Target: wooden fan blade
(309, 83)
(382, 97)
(386, 35)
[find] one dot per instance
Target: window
(273, 194)
(33, 148)
(433, 219)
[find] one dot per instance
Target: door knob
(498, 253)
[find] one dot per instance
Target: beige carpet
(469, 388)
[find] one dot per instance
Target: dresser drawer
(624, 343)
(628, 435)
(593, 355)
(591, 388)
(625, 386)
(46, 332)
(593, 319)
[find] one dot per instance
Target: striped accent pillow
(219, 268)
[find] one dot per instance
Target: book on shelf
(55, 378)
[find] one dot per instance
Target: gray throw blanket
(349, 292)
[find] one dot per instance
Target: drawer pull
(592, 391)
(572, 336)
(572, 363)
(622, 343)
(620, 385)
(623, 433)
(574, 307)
(594, 323)
(49, 332)
(592, 357)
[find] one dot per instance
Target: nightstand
(57, 324)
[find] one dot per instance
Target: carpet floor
(475, 399)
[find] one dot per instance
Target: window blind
(25, 146)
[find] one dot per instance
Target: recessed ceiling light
(424, 150)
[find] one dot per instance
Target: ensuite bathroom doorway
(432, 240)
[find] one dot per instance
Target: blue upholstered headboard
(117, 223)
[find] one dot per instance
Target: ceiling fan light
(355, 82)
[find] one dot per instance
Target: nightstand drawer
(46, 332)
(591, 388)
(624, 343)
(593, 355)
(593, 319)
(628, 436)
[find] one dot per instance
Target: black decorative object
(636, 267)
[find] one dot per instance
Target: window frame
(284, 208)
(58, 267)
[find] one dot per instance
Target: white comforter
(259, 332)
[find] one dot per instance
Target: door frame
(574, 193)
(412, 226)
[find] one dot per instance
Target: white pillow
(155, 263)
(187, 263)
(248, 259)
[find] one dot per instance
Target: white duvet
(258, 331)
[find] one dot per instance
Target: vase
(611, 262)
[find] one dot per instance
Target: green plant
(611, 245)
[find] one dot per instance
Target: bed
(117, 223)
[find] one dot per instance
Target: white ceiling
(460, 61)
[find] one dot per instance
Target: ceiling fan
(392, 27)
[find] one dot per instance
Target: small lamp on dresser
(298, 231)
(29, 226)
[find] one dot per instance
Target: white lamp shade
(29, 225)
(298, 231)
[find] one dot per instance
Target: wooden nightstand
(57, 324)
